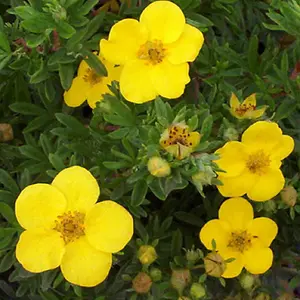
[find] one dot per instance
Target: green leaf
(193, 123)
(119, 133)
(7, 212)
(26, 108)
(253, 54)
(87, 7)
(8, 182)
(286, 107)
(94, 25)
(161, 112)
(25, 12)
(7, 261)
(4, 43)
(73, 124)
(41, 74)
(32, 152)
(139, 193)
(177, 243)
(156, 186)
(198, 20)
(115, 165)
(213, 244)
(38, 123)
(206, 128)
(56, 161)
(94, 62)
(33, 40)
(66, 74)
(64, 29)
(294, 282)
(38, 24)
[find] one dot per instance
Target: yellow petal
(237, 212)
(234, 101)
(79, 187)
(109, 226)
(124, 41)
(250, 100)
(83, 68)
(236, 186)
(170, 80)
(262, 134)
(215, 230)
(258, 260)
(39, 250)
(234, 268)
(284, 148)
(164, 20)
(233, 157)
(77, 94)
(264, 229)
(96, 93)
(187, 47)
(135, 83)
(257, 113)
(267, 185)
(84, 265)
(194, 139)
(39, 205)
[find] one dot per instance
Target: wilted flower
(142, 283)
(6, 132)
(240, 237)
(247, 109)
(180, 279)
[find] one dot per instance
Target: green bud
(197, 291)
(204, 177)
(193, 255)
(155, 274)
(247, 281)
(142, 283)
(214, 264)
(289, 196)
(231, 134)
(147, 254)
(180, 279)
(269, 206)
(158, 167)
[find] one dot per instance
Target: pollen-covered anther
(240, 241)
(257, 162)
(70, 225)
(244, 108)
(153, 52)
(91, 77)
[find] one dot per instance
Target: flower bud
(147, 254)
(270, 206)
(155, 274)
(184, 298)
(180, 279)
(286, 296)
(193, 255)
(158, 167)
(231, 134)
(247, 281)
(204, 177)
(214, 264)
(262, 296)
(197, 291)
(289, 196)
(142, 283)
(6, 132)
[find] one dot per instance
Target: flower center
(70, 225)
(240, 241)
(178, 135)
(257, 162)
(244, 108)
(152, 52)
(91, 77)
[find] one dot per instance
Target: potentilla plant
(185, 114)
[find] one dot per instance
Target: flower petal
(262, 134)
(77, 94)
(187, 47)
(164, 20)
(84, 265)
(39, 250)
(109, 226)
(250, 100)
(258, 260)
(267, 185)
(264, 229)
(39, 205)
(257, 113)
(284, 148)
(236, 186)
(234, 101)
(124, 41)
(233, 157)
(79, 187)
(135, 83)
(96, 93)
(233, 268)
(215, 230)
(194, 139)
(237, 212)
(170, 80)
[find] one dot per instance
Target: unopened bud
(247, 281)
(231, 134)
(142, 283)
(6, 132)
(269, 206)
(158, 167)
(204, 177)
(289, 196)
(286, 296)
(262, 296)
(180, 279)
(155, 274)
(184, 298)
(147, 254)
(214, 264)
(197, 291)
(193, 255)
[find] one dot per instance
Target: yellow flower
(179, 141)
(64, 227)
(155, 52)
(237, 235)
(246, 109)
(253, 165)
(88, 85)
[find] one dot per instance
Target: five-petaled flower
(155, 52)
(247, 109)
(252, 166)
(179, 141)
(90, 86)
(237, 235)
(64, 227)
